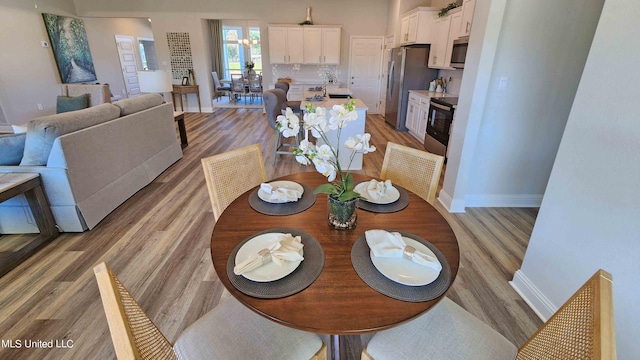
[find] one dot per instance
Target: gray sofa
(93, 160)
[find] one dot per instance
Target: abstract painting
(70, 47)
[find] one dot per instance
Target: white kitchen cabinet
(438, 51)
(417, 114)
(295, 92)
(411, 121)
(468, 6)
(417, 26)
(421, 119)
(321, 45)
(456, 19)
(286, 45)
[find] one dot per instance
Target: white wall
(589, 217)
(357, 17)
(521, 126)
(28, 72)
(101, 36)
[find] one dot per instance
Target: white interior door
(365, 70)
(386, 57)
(126, 52)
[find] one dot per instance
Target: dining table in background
(339, 302)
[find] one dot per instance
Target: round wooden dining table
(338, 302)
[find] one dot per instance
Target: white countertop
(328, 102)
(431, 93)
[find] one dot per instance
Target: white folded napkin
(280, 193)
(377, 189)
(391, 245)
(286, 248)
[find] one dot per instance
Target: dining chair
(255, 86)
(238, 87)
(294, 105)
(218, 89)
(230, 174)
(416, 170)
(229, 331)
(273, 100)
(581, 329)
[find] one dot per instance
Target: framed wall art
(70, 48)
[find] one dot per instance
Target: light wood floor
(158, 244)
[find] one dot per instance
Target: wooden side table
(178, 116)
(29, 184)
(184, 90)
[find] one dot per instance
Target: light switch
(40, 107)
(503, 83)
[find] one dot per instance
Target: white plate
(289, 185)
(270, 271)
(391, 195)
(405, 271)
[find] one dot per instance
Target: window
(238, 49)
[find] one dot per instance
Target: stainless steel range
(439, 123)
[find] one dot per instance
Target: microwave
(459, 53)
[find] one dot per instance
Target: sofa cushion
(138, 103)
(12, 146)
(41, 132)
(66, 103)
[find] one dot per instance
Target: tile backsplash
(456, 79)
(305, 72)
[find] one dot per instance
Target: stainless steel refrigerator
(407, 71)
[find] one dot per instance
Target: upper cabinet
(467, 17)
(417, 26)
(321, 45)
(438, 51)
(286, 45)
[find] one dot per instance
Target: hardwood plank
(158, 242)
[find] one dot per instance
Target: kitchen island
(353, 128)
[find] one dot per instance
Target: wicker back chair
(230, 174)
(415, 170)
(134, 335)
(581, 329)
(229, 331)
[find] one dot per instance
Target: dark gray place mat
(361, 261)
(397, 205)
(306, 201)
(308, 271)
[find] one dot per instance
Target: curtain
(215, 29)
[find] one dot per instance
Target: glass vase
(342, 214)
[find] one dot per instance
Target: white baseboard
(532, 296)
(526, 200)
(452, 206)
(6, 128)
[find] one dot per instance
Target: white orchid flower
(325, 152)
(341, 115)
(325, 168)
(302, 160)
(360, 143)
(289, 123)
(306, 147)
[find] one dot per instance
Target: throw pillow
(66, 104)
(19, 129)
(12, 148)
(138, 103)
